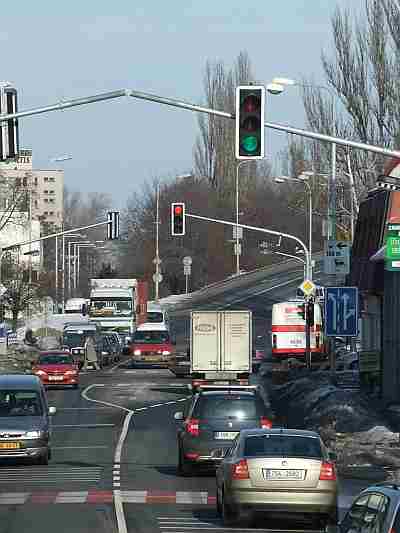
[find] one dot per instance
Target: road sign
(187, 261)
(160, 278)
(239, 232)
(187, 270)
(157, 260)
(238, 248)
(307, 287)
(341, 311)
(337, 257)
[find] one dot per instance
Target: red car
(56, 368)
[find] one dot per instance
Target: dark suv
(212, 421)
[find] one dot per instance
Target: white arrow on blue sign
(341, 311)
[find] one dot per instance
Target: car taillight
(265, 423)
(274, 343)
(328, 472)
(192, 426)
(240, 470)
(317, 341)
(198, 383)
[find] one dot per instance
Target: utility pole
(56, 269)
(157, 258)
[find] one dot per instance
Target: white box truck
(220, 347)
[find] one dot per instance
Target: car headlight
(137, 352)
(166, 352)
(34, 434)
(40, 373)
(71, 373)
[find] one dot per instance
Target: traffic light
(310, 313)
(178, 218)
(113, 225)
(250, 101)
(9, 139)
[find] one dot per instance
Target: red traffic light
(178, 210)
(251, 104)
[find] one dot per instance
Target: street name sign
(341, 311)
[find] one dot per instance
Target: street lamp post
(69, 265)
(157, 273)
(276, 87)
(304, 181)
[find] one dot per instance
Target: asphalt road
(99, 482)
(114, 448)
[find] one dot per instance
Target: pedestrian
(90, 354)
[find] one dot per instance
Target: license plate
(221, 382)
(56, 378)
(9, 445)
(225, 435)
(282, 474)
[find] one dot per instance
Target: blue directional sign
(341, 311)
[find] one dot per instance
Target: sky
(54, 51)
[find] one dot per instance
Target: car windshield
(154, 317)
(227, 406)
(282, 446)
(151, 337)
(20, 403)
(55, 359)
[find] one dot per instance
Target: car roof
(152, 326)
(280, 431)
(19, 381)
(386, 486)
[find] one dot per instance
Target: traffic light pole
(308, 336)
(59, 106)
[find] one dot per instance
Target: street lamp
(306, 184)
(77, 260)
(277, 87)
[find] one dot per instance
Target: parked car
(55, 368)
(285, 472)
(24, 419)
(375, 509)
(214, 418)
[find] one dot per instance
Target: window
(46, 191)
(51, 192)
(155, 317)
(55, 359)
(282, 446)
(52, 179)
(46, 213)
(51, 213)
(151, 337)
(227, 406)
(353, 519)
(46, 179)
(46, 200)
(51, 200)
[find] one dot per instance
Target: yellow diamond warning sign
(307, 287)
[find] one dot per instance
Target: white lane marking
(77, 426)
(83, 408)
(141, 409)
(157, 405)
(134, 496)
(191, 497)
(118, 504)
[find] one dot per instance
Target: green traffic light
(250, 143)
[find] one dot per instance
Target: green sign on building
(392, 252)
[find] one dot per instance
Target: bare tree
(363, 74)
(20, 293)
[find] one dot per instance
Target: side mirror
(52, 410)
(178, 416)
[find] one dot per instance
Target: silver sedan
(285, 472)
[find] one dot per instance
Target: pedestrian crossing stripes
(128, 496)
(50, 475)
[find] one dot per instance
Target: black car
(213, 419)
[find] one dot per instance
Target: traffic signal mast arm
(199, 109)
(53, 235)
(263, 230)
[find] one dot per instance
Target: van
(76, 306)
(152, 344)
(25, 426)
